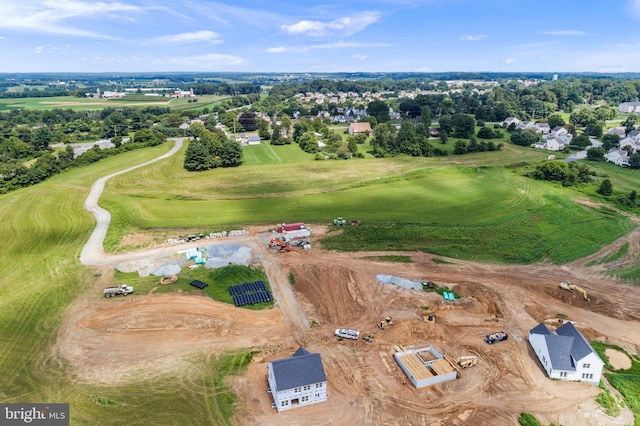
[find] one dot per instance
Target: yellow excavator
(568, 285)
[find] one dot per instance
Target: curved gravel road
(93, 252)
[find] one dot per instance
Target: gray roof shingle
(580, 347)
(560, 352)
(303, 368)
(540, 329)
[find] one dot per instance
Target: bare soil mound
(617, 359)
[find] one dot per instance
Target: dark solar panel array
(199, 284)
(250, 293)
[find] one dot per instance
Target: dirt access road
(158, 332)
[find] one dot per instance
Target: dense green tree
(595, 153)
(276, 136)
(379, 110)
(231, 154)
(634, 161)
(196, 129)
(606, 188)
(463, 125)
(525, 137)
(555, 120)
(197, 158)
(630, 122)
(41, 138)
(149, 137)
(248, 121)
(594, 128)
(488, 133)
(446, 124)
(460, 147)
(581, 140)
(551, 170)
(410, 108)
(382, 138)
(426, 116)
(308, 142)
(610, 140)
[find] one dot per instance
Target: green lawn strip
(617, 255)
(441, 261)
(607, 401)
(391, 258)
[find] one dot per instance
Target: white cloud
(360, 57)
(204, 61)
(193, 37)
(279, 49)
(3, 38)
(510, 61)
(565, 33)
(347, 25)
(38, 49)
(49, 16)
(473, 37)
(634, 8)
(336, 45)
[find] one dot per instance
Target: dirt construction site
(158, 332)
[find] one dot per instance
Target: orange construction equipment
(279, 244)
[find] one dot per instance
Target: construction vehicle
(339, 221)
(495, 337)
(347, 333)
(388, 322)
(114, 291)
(169, 279)
(467, 361)
(568, 285)
(276, 243)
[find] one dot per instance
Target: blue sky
(319, 36)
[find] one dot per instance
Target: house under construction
(425, 366)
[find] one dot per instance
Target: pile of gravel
(401, 282)
(223, 255)
(167, 269)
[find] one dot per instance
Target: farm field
(83, 104)
(187, 359)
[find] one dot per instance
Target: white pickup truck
(347, 333)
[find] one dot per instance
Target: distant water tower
(555, 77)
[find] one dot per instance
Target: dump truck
(467, 361)
(498, 336)
(347, 333)
(339, 221)
(114, 291)
(388, 322)
(568, 285)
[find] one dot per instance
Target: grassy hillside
(44, 229)
(455, 206)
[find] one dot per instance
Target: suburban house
(565, 354)
(631, 143)
(297, 381)
(543, 128)
(551, 144)
(629, 108)
(558, 130)
(523, 125)
(635, 135)
(355, 128)
(617, 156)
(620, 131)
(510, 120)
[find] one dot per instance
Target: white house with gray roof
(629, 107)
(565, 354)
(297, 381)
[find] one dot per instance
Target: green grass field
(83, 104)
(44, 229)
(438, 204)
